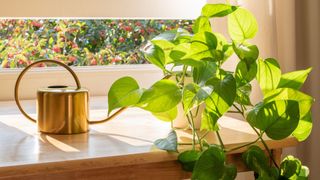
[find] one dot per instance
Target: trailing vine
(284, 110)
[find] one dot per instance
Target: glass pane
(79, 42)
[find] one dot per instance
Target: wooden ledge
(120, 149)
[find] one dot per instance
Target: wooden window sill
(119, 149)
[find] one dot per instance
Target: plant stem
(184, 143)
(244, 145)
(266, 147)
(234, 112)
(194, 130)
(184, 71)
(220, 139)
(193, 134)
(260, 137)
(237, 109)
(204, 135)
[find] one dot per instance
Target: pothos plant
(284, 110)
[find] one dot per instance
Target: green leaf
(193, 94)
(179, 55)
(168, 115)
(245, 73)
(202, 73)
(304, 173)
(209, 121)
(182, 36)
(224, 46)
(277, 118)
(123, 92)
(210, 165)
(304, 128)
(166, 47)
(180, 51)
(170, 143)
(203, 45)
(243, 95)
(305, 103)
(167, 35)
(257, 161)
(294, 79)
(246, 52)
(201, 24)
(217, 10)
(290, 167)
(230, 172)
(242, 25)
(188, 159)
(268, 74)
(221, 98)
(155, 55)
(161, 96)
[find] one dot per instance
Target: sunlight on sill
(59, 144)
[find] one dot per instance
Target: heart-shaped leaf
(168, 115)
(217, 10)
(194, 95)
(243, 94)
(268, 74)
(245, 73)
(257, 161)
(211, 166)
(123, 92)
(294, 79)
(209, 120)
(242, 25)
(246, 52)
(220, 100)
(290, 167)
(161, 96)
(201, 24)
(170, 143)
(202, 73)
(277, 118)
(155, 55)
(188, 159)
(305, 102)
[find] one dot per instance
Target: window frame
(97, 79)
(45, 9)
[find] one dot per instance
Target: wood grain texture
(119, 149)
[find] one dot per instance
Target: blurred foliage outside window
(79, 42)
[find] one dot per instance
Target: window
(79, 42)
(97, 79)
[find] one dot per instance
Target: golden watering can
(60, 109)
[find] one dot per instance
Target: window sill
(124, 144)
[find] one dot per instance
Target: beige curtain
(307, 53)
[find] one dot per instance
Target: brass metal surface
(62, 110)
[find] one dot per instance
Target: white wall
(172, 9)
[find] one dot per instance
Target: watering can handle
(16, 88)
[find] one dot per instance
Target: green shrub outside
(79, 42)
